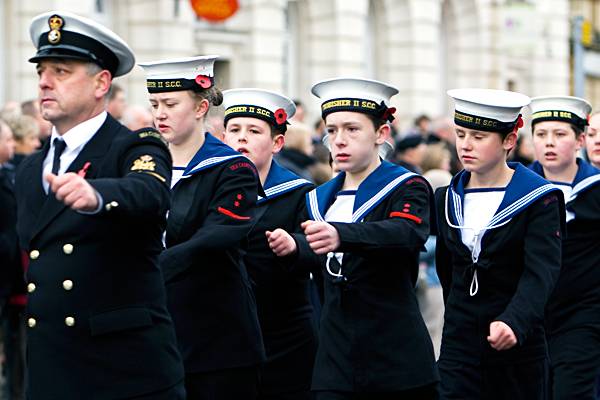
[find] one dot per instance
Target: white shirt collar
(80, 134)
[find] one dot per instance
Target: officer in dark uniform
(91, 210)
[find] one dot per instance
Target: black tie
(59, 147)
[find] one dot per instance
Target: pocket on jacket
(120, 320)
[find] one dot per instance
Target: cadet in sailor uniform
(497, 256)
(214, 194)
(255, 125)
(573, 312)
(91, 209)
(364, 229)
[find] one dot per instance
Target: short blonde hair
(298, 137)
(434, 156)
(24, 126)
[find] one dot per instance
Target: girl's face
(555, 145)
(482, 151)
(592, 140)
(252, 137)
(354, 141)
(177, 115)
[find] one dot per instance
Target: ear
(278, 142)
(102, 82)
(384, 132)
(510, 141)
(202, 109)
(580, 141)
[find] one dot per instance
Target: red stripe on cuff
(225, 211)
(405, 215)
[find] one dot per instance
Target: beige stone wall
(423, 47)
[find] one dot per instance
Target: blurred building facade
(423, 47)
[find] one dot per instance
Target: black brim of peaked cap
(75, 46)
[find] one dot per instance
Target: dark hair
(421, 118)
(298, 102)
(377, 121)
(578, 131)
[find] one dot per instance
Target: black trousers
(301, 395)
(228, 384)
(526, 381)
(13, 325)
(176, 392)
(429, 392)
(575, 364)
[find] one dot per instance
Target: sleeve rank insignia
(144, 163)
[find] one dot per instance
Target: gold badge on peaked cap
(55, 23)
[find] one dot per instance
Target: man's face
(66, 90)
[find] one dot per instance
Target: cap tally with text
(190, 73)
(269, 106)
(573, 110)
(488, 109)
(64, 35)
(356, 94)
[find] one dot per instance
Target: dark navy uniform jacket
(97, 317)
(282, 295)
(372, 337)
(575, 301)
(208, 288)
(511, 277)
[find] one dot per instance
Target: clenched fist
(74, 191)
(321, 236)
(501, 336)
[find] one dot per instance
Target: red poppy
(280, 116)
(389, 114)
(203, 81)
(519, 122)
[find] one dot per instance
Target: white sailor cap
(573, 110)
(488, 109)
(190, 73)
(271, 107)
(60, 34)
(355, 94)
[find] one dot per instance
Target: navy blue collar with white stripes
(213, 152)
(524, 188)
(372, 191)
(279, 181)
(586, 177)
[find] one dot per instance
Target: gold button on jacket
(34, 254)
(31, 287)
(68, 248)
(31, 322)
(69, 321)
(68, 284)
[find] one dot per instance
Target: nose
(549, 140)
(339, 139)
(44, 80)
(242, 136)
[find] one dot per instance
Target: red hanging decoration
(214, 10)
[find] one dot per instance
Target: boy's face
(481, 151)
(353, 139)
(252, 137)
(555, 145)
